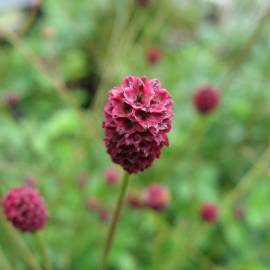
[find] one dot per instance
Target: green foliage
(62, 81)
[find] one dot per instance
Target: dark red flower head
(153, 55)
(112, 176)
(137, 119)
(206, 99)
(25, 209)
(209, 212)
(143, 3)
(156, 197)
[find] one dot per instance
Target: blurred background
(59, 59)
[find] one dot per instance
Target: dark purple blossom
(137, 119)
(25, 209)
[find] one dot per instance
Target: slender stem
(58, 84)
(115, 221)
(20, 244)
(245, 50)
(246, 182)
(4, 263)
(43, 251)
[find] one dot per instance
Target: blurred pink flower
(206, 99)
(156, 197)
(154, 55)
(25, 209)
(112, 176)
(209, 212)
(104, 214)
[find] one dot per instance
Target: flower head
(153, 55)
(112, 176)
(206, 99)
(25, 209)
(156, 197)
(137, 119)
(209, 212)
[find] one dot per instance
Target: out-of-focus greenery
(61, 69)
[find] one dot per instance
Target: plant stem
(58, 84)
(115, 221)
(245, 50)
(246, 182)
(20, 244)
(43, 251)
(4, 263)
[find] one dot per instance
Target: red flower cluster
(156, 197)
(209, 212)
(25, 209)
(137, 119)
(206, 99)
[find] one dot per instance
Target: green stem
(245, 50)
(244, 184)
(247, 181)
(43, 251)
(115, 221)
(20, 244)
(4, 263)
